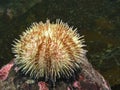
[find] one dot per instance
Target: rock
(87, 79)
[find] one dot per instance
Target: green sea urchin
(49, 50)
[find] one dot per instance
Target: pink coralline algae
(4, 71)
(85, 83)
(82, 81)
(42, 86)
(76, 84)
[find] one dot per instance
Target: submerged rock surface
(87, 79)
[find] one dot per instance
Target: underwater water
(97, 20)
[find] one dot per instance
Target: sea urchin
(49, 50)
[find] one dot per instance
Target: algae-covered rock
(11, 78)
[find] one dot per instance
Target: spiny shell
(49, 50)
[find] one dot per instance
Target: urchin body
(49, 50)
